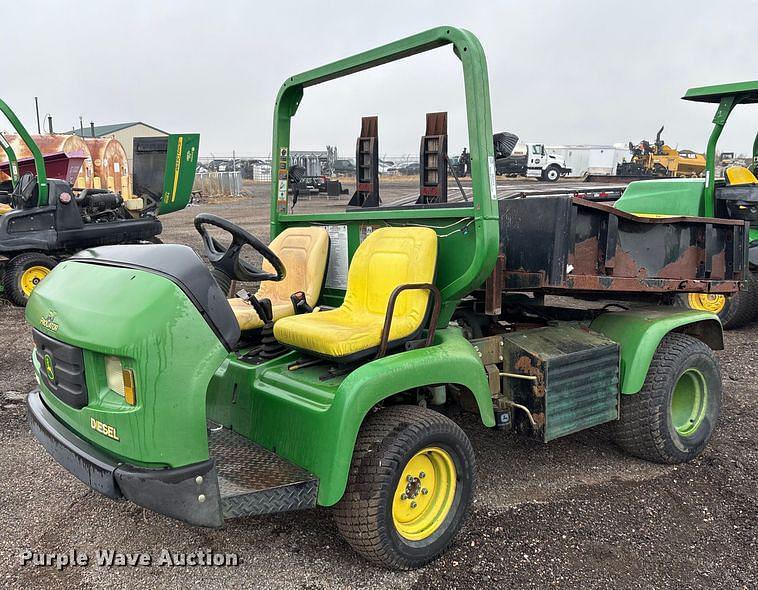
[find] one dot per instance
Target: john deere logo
(49, 367)
(49, 321)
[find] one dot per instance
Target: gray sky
(560, 72)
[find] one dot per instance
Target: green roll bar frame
(727, 96)
(482, 208)
(39, 161)
(12, 160)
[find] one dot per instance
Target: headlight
(120, 380)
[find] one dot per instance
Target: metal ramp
(253, 480)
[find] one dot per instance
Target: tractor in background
(44, 218)
(735, 196)
(660, 160)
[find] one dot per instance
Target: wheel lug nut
(421, 475)
(404, 497)
(424, 491)
(409, 478)
(413, 504)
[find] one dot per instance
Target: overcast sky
(560, 72)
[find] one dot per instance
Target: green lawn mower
(333, 383)
(44, 219)
(735, 196)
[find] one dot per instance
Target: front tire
(674, 415)
(23, 273)
(410, 484)
(552, 174)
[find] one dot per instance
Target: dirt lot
(575, 513)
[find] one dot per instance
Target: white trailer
(600, 160)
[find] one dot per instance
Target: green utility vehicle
(331, 385)
(44, 218)
(734, 196)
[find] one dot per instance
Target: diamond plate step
(253, 480)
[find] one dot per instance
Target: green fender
(453, 360)
(639, 332)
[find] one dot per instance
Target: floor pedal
(253, 480)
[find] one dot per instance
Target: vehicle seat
(5, 208)
(304, 251)
(737, 175)
(388, 258)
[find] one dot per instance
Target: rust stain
(624, 265)
(585, 257)
(525, 367)
(684, 266)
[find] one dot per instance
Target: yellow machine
(660, 159)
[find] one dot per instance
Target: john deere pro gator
(44, 219)
(330, 385)
(733, 196)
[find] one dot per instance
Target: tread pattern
(743, 305)
(642, 429)
(11, 274)
(380, 451)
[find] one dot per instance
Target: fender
(452, 360)
(639, 333)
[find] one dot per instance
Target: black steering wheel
(22, 195)
(227, 260)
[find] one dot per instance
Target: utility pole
(36, 108)
(81, 125)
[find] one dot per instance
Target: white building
(124, 133)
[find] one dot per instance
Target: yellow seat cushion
(5, 208)
(388, 257)
(303, 251)
(735, 175)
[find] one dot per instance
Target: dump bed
(562, 243)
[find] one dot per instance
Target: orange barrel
(51, 144)
(110, 165)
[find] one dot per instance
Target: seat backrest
(387, 258)
(304, 251)
(736, 175)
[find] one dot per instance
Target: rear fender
(639, 333)
(452, 361)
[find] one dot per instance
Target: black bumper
(190, 494)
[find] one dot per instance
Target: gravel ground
(575, 513)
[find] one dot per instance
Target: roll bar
(466, 47)
(39, 161)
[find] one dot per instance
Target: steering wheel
(21, 197)
(227, 260)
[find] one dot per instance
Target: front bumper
(190, 494)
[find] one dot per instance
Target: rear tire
(674, 415)
(388, 483)
(734, 311)
(23, 273)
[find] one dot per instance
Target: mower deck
(253, 480)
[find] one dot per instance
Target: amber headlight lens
(120, 380)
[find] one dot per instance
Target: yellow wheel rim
(706, 302)
(424, 494)
(31, 278)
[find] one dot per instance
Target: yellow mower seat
(388, 257)
(736, 175)
(304, 251)
(4, 208)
